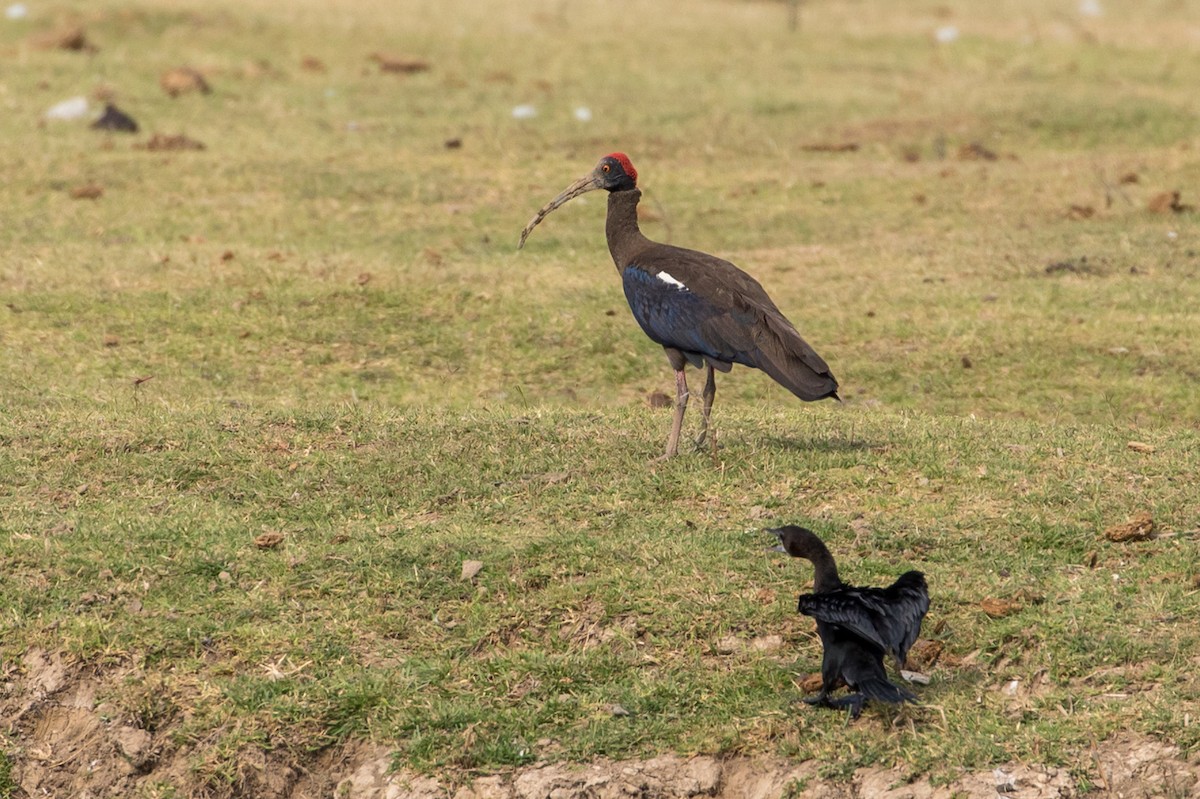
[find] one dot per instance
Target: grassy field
(317, 329)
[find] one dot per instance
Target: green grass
(343, 346)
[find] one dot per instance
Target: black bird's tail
(881, 690)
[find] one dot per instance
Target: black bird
(701, 309)
(857, 625)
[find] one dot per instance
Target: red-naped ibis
(703, 310)
(858, 626)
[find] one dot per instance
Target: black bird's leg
(681, 400)
(854, 701)
(710, 393)
(820, 700)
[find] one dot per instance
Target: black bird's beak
(778, 533)
(585, 184)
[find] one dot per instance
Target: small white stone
(524, 111)
(1090, 8)
(583, 113)
(74, 108)
(946, 34)
(16, 11)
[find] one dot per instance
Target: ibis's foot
(820, 700)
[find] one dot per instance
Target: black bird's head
(799, 542)
(615, 172)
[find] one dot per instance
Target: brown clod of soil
(160, 142)
(831, 147)
(998, 608)
(1167, 202)
(182, 80)
(471, 568)
(811, 683)
(71, 37)
(312, 64)
(269, 539)
(88, 191)
(1139, 528)
(398, 64)
(925, 654)
(1081, 212)
(1139, 446)
(658, 399)
(976, 152)
(1129, 177)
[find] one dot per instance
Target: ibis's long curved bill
(581, 186)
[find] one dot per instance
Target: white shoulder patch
(666, 278)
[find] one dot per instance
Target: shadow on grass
(811, 443)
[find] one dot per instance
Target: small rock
(915, 677)
(767, 643)
(470, 568)
(728, 645)
(617, 710)
(68, 110)
(16, 11)
(524, 111)
(1138, 446)
(946, 34)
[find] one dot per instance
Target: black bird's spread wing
(845, 610)
(906, 601)
(888, 617)
(697, 303)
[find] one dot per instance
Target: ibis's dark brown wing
(697, 303)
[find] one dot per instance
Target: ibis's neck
(625, 240)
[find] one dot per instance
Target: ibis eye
(605, 168)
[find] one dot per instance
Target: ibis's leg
(681, 401)
(710, 393)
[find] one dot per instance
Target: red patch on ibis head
(625, 163)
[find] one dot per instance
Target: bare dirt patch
(63, 741)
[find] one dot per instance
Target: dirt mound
(63, 742)
(1127, 768)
